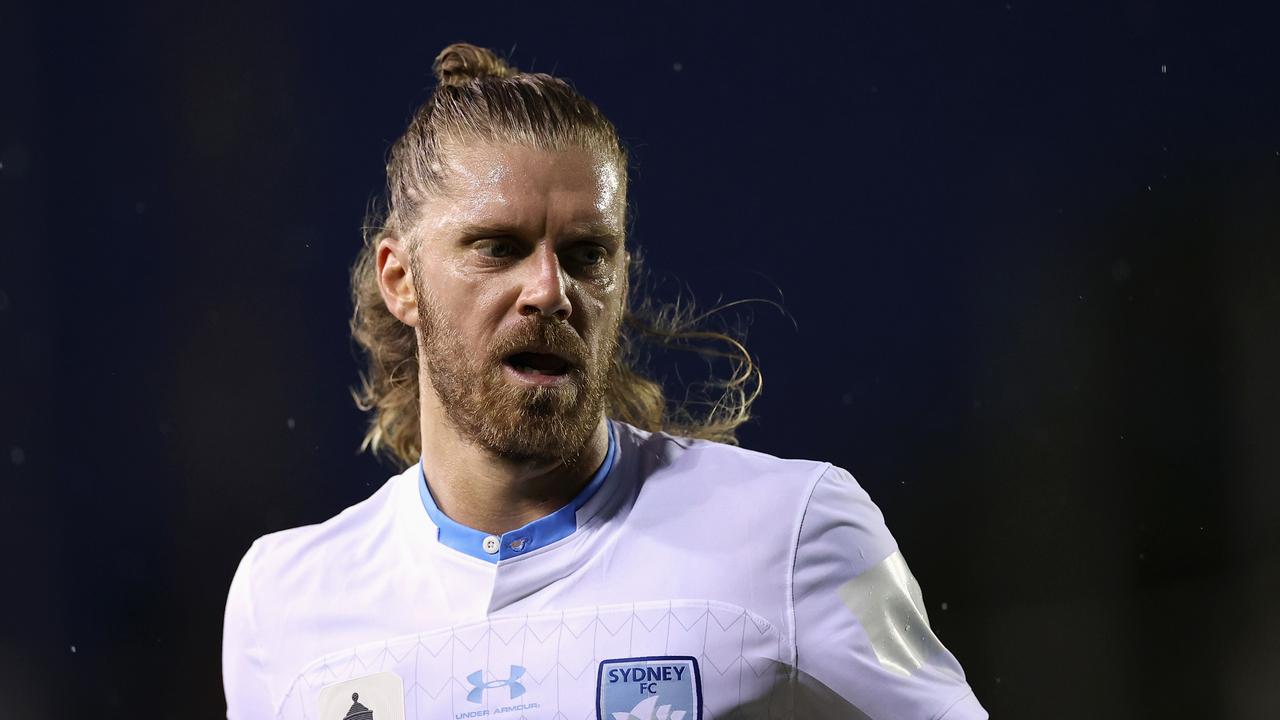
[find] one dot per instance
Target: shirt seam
(790, 582)
(257, 649)
(967, 693)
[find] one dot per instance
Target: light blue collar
(539, 533)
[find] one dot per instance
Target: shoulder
(707, 474)
(282, 562)
(282, 583)
(663, 454)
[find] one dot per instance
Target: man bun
(460, 63)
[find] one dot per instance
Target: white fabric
(764, 570)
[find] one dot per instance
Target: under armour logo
(478, 685)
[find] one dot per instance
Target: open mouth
(538, 363)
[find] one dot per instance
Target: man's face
(520, 274)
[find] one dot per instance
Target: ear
(395, 280)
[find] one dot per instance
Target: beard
(515, 422)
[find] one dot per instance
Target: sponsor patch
(649, 688)
(373, 697)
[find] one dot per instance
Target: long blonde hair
(479, 97)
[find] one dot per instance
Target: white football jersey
(690, 580)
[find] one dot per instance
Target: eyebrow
(600, 230)
(576, 231)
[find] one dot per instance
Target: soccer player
(558, 546)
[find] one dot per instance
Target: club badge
(649, 688)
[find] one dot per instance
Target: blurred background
(1029, 258)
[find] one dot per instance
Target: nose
(544, 289)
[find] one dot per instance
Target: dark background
(1029, 256)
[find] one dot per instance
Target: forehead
(527, 187)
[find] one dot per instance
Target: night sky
(1017, 269)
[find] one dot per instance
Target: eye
(588, 254)
(496, 248)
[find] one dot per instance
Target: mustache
(542, 334)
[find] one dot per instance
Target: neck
(493, 494)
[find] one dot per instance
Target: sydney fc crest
(649, 688)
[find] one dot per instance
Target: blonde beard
(536, 424)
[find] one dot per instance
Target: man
(543, 556)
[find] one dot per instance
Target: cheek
(475, 303)
(488, 302)
(603, 310)
(593, 302)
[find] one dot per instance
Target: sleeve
(243, 666)
(863, 643)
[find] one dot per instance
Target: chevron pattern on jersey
(466, 672)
